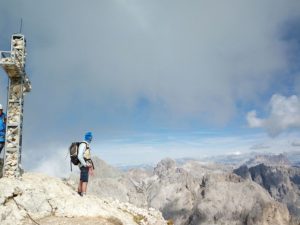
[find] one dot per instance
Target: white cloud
(284, 113)
(189, 59)
(253, 121)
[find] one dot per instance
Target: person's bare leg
(84, 187)
(80, 187)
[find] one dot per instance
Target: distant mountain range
(294, 157)
(289, 158)
(263, 191)
(144, 166)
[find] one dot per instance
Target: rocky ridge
(38, 199)
(282, 183)
(194, 194)
(211, 196)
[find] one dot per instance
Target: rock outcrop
(105, 170)
(211, 197)
(194, 194)
(228, 199)
(39, 199)
(282, 182)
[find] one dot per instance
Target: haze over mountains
(285, 158)
(289, 158)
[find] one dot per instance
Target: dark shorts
(84, 174)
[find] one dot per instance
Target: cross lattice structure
(13, 63)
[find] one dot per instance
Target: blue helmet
(88, 136)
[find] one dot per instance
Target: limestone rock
(103, 170)
(227, 199)
(216, 198)
(38, 196)
(194, 194)
(283, 184)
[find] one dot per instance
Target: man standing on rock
(86, 164)
(2, 128)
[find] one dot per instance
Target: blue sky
(153, 79)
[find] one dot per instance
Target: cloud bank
(180, 60)
(119, 67)
(284, 114)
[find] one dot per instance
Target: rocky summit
(211, 196)
(281, 182)
(40, 199)
(192, 193)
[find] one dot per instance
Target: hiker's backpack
(73, 150)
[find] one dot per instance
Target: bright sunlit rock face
(199, 193)
(37, 196)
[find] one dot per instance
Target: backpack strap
(87, 144)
